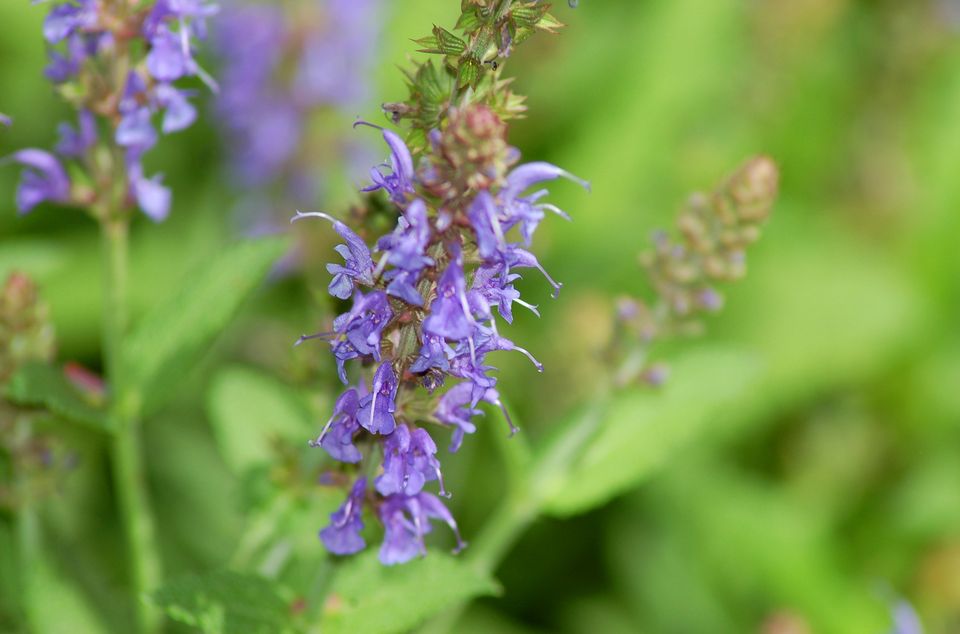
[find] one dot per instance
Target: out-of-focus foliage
(802, 466)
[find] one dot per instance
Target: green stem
(531, 483)
(126, 451)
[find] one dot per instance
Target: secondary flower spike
(117, 64)
(422, 330)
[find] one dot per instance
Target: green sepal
(470, 73)
(528, 13)
(442, 42)
(549, 24)
(469, 21)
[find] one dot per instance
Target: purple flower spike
(358, 265)
(409, 462)
(376, 409)
(406, 520)
(75, 143)
(337, 435)
(399, 182)
(44, 179)
(342, 536)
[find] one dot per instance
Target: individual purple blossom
(377, 408)
(455, 408)
(65, 19)
(406, 245)
(5, 120)
(406, 519)
(449, 313)
(151, 195)
(495, 285)
(44, 179)
(409, 462)
(905, 619)
(434, 353)
(337, 435)
(342, 536)
(358, 263)
(357, 332)
(74, 143)
(483, 218)
(398, 182)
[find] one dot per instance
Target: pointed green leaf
(618, 446)
(171, 339)
(44, 385)
(227, 602)
(248, 410)
(375, 599)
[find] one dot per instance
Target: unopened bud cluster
(31, 463)
(715, 230)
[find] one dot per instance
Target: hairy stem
(125, 452)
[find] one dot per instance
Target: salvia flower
(120, 100)
(425, 322)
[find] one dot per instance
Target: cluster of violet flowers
(117, 64)
(425, 302)
(279, 65)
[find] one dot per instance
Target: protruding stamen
(366, 123)
(556, 285)
(382, 264)
(323, 432)
(513, 428)
(530, 307)
(319, 335)
(526, 353)
(313, 214)
(556, 210)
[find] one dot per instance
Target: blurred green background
(824, 480)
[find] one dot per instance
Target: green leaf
(633, 435)
(44, 385)
(248, 410)
(48, 586)
(170, 340)
(227, 602)
(375, 599)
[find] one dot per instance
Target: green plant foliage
(249, 410)
(175, 334)
(44, 385)
(368, 597)
(639, 430)
(226, 602)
